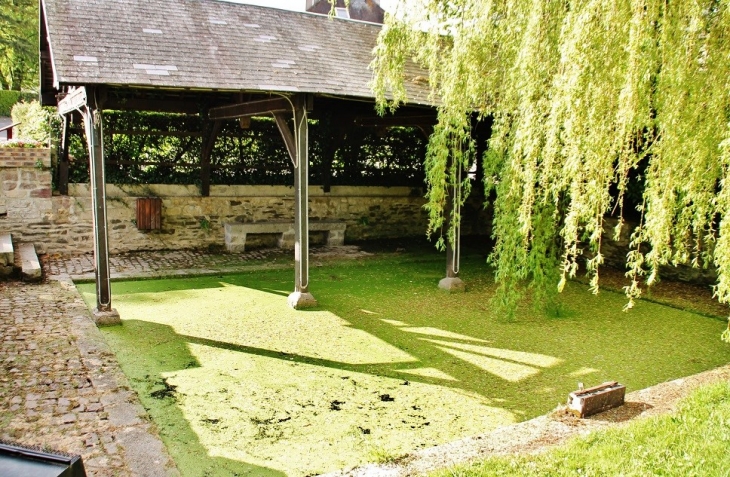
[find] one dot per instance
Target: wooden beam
(205, 159)
(73, 101)
(251, 108)
(156, 105)
(287, 135)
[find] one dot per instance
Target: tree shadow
(421, 335)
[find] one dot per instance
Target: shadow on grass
(399, 326)
(165, 351)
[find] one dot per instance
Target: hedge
(8, 99)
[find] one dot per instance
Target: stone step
(6, 250)
(30, 265)
(6, 257)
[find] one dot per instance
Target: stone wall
(63, 224)
(615, 251)
(192, 221)
(26, 203)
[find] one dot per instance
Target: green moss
(387, 363)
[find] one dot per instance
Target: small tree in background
(19, 45)
(35, 121)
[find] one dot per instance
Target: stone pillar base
(299, 300)
(106, 318)
(452, 284)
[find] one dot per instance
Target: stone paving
(144, 263)
(61, 388)
(184, 262)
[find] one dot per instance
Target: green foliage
(35, 121)
(27, 144)
(691, 441)
(582, 93)
(18, 45)
(255, 155)
(8, 99)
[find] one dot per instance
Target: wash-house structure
(220, 60)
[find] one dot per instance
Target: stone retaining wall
(615, 252)
(63, 224)
(26, 203)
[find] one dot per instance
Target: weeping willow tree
(581, 92)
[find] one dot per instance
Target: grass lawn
(239, 384)
(690, 442)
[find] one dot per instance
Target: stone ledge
(31, 267)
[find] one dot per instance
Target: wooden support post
(297, 142)
(328, 155)
(104, 314)
(208, 144)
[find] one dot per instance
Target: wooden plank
(156, 214)
(149, 213)
(157, 105)
(76, 99)
(287, 135)
(63, 164)
(208, 146)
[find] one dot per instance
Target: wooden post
(63, 157)
(208, 144)
(297, 142)
(104, 314)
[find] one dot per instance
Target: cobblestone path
(61, 388)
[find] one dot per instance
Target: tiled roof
(212, 45)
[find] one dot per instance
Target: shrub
(8, 99)
(34, 121)
(30, 144)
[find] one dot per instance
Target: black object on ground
(20, 461)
